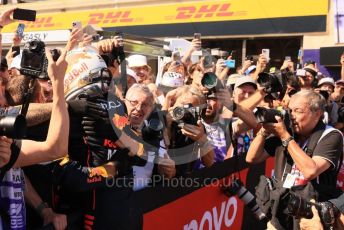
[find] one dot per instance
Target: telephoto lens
(238, 188)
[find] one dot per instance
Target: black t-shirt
(330, 147)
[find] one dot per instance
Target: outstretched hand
(5, 17)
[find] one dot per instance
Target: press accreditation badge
(289, 181)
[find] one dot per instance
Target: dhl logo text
(204, 11)
(41, 22)
(111, 17)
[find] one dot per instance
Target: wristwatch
(41, 206)
(286, 142)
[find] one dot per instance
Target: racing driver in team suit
(102, 148)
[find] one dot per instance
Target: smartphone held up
(77, 25)
(24, 15)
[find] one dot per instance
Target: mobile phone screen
(230, 63)
(20, 30)
(25, 15)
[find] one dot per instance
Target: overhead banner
(177, 13)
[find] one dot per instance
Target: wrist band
(41, 206)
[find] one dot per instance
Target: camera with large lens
(238, 188)
(211, 82)
(301, 208)
(264, 115)
(325, 94)
(34, 62)
(12, 125)
(187, 114)
(152, 131)
(275, 84)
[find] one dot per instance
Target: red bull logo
(98, 171)
(120, 121)
(75, 73)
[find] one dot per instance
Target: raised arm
(56, 144)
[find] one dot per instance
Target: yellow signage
(186, 12)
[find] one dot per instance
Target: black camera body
(275, 84)
(187, 114)
(152, 130)
(325, 94)
(12, 125)
(34, 62)
(264, 115)
(301, 208)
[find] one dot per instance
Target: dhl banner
(182, 12)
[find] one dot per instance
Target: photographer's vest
(284, 164)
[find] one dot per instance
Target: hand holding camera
(195, 132)
(299, 207)
(56, 70)
(278, 129)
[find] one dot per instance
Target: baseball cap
(250, 69)
(232, 79)
(170, 81)
(326, 80)
(311, 71)
(340, 82)
(245, 80)
(137, 60)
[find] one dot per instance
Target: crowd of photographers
(101, 126)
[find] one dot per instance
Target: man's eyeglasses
(137, 103)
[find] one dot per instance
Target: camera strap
(235, 146)
(123, 64)
(27, 98)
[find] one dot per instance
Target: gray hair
(140, 87)
(316, 101)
